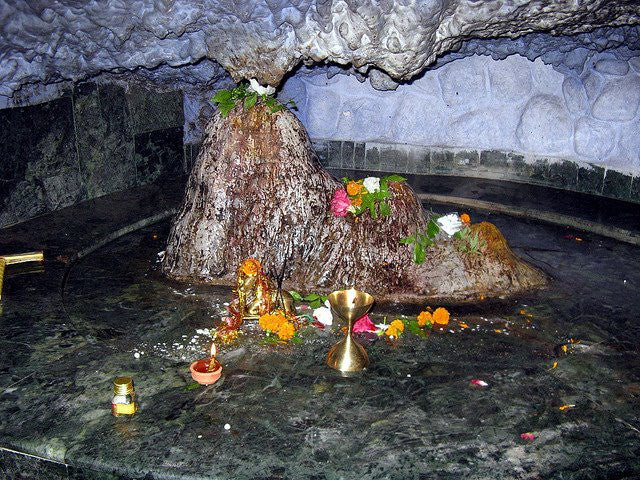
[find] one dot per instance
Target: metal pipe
(17, 258)
(3, 263)
(23, 257)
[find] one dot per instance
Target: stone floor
(69, 329)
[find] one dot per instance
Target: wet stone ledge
(492, 164)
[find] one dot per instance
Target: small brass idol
(347, 355)
(256, 294)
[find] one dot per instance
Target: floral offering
(277, 323)
(425, 319)
(358, 196)
(441, 316)
(395, 329)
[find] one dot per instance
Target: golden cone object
(348, 356)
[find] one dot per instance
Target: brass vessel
(348, 356)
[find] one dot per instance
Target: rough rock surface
(257, 190)
(478, 102)
(48, 42)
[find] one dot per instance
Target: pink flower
(364, 324)
(340, 203)
(529, 437)
(479, 383)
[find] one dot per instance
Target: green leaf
(311, 297)
(432, 229)
(413, 327)
(296, 340)
(408, 240)
(225, 108)
(222, 96)
(419, 254)
(345, 180)
(251, 100)
(270, 340)
(317, 303)
(394, 178)
(385, 209)
(296, 296)
(372, 211)
(192, 386)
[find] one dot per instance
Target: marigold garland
(465, 218)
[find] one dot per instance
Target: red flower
(364, 324)
(340, 203)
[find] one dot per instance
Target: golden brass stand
(348, 356)
(17, 258)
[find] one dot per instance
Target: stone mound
(257, 190)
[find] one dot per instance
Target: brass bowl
(348, 356)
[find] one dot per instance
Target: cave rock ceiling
(178, 42)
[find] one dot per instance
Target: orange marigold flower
(391, 332)
(286, 331)
(441, 316)
(424, 318)
(464, 218)
(272, 322)
(354, 188)
(356, 201)
(397, 324)
(250, 266)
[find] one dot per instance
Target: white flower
(450, 223)
(323, 315)
(382, 326)
(254, 86)
(372, 184)
(351, 209)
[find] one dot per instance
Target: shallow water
(412, 414)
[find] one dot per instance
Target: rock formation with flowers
(257, 190)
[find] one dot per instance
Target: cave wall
(513, 119)
(89, 142)
(539, 92)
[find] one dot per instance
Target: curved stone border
(132, 227)
(616, 233)
(494, 164)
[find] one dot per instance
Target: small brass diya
(348, 356)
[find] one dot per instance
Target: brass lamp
(347, 355)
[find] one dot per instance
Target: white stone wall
(477, 102)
